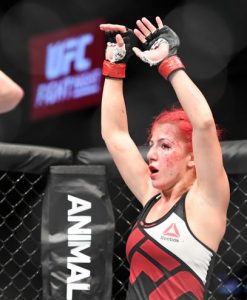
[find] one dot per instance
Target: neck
(175, 192)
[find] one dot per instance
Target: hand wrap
(169, 65)
(113, 70)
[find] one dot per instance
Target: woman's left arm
(211, 176)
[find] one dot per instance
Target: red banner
(66, 69)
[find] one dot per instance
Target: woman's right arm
(115, 133)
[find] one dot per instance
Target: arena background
(213, 46)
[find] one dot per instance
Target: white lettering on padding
(79, 240)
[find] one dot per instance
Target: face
(167, 156)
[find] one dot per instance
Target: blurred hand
(10, 93)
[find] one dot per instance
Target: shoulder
(206, 219)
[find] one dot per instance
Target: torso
(166, 260)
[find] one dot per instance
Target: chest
(169, 242)
(157, 211)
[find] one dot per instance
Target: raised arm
(211, 176)
(10, 93)
(114, 123)
(161, 44)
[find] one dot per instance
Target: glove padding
(122, 54)
(167, 34)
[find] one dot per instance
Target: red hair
(178, 117)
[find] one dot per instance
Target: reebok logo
(171, 233)
(172, 230)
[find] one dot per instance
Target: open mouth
(153, 170)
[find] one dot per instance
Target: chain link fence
(20, 208)
(22, 189)
(23, 178)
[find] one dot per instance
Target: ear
(191, 162)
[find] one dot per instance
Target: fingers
(112, 27)
(137, 51)
(159, 22)
(142, 27)
(149, 25)
(119, 40)
(140, 35)
(145, 28)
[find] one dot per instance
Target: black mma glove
(163, 35)
(167, 62)
(114, 65)
(121, 54)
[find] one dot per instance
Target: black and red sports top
(167, 261)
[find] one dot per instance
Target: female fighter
(183, 188)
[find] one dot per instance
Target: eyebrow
(161, 140)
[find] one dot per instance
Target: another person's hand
(10, 93)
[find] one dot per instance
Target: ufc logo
(61, 55)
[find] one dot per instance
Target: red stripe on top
(160, 255)
(140, 264)
(135, 237)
